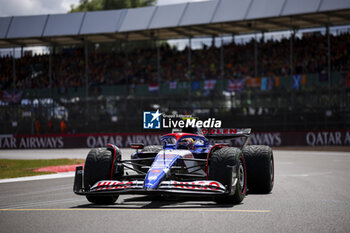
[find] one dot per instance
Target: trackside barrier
(276, 139)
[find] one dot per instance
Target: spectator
(37, 126)
(50, 126)
(111, 68)
(63, 126)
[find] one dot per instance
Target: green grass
(19, 168)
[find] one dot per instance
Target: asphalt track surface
(311, 194)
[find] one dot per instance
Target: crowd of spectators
(140, 66)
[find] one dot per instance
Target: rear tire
(222, 162)
(260, 168)
(98, 165)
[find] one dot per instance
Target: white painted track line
(41, 177)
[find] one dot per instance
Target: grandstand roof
(215, 17)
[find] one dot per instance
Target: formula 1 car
(185, 164)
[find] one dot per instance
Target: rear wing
(222, 134)
(217, 133)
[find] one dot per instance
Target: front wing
(114, 187)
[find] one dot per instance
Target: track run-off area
(311, 194)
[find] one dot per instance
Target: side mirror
(137, 146)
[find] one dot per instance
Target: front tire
(260, 168)
(222, 163)
(98, 165)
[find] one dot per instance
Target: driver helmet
(186, 143)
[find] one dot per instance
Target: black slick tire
(222, 161)
(97, 167)
(260, 168)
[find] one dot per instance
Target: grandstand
(98, 78)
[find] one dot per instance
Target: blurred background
(272, 65)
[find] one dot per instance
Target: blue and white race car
(185, 164)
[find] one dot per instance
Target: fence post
(86, 53)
